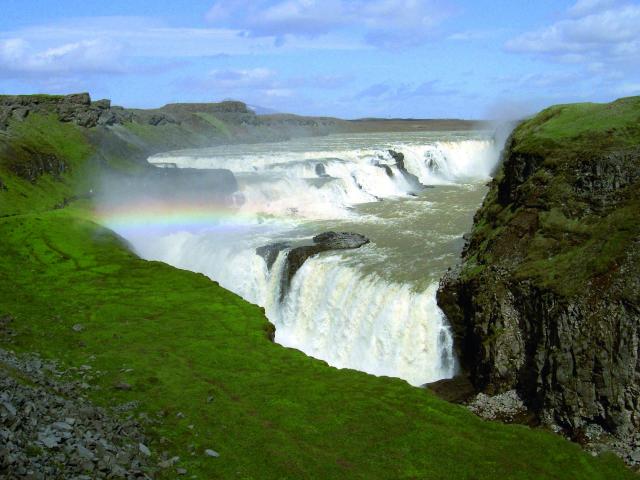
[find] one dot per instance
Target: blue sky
(347, 58)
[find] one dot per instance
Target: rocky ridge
(77, 108)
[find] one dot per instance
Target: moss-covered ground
(576, 236)
(185, 345)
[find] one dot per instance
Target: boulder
(77, 99)
(104, 104)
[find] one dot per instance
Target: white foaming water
(383, 321)
(366, 323)
(451, 162)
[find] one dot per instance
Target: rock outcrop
(296, 256)
(409, 177)
(77, 108)
(270, 252)
(547, 299)
(39, 164)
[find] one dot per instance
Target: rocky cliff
(546, 300)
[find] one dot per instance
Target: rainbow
(148, 217)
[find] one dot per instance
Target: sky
(345, 58)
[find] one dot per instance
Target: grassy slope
(572, 240)
(275, 413)
(45, 135)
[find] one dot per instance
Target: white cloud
(104, 42)
(255, 77)
(389, 23)
(559, 80)
(430, 88)
(255, 84)
(585, 7)
(596, 30)
(471, 35)
(97, 55)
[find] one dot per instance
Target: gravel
(49, 429)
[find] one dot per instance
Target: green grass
(573, 241)
(275, 412)
(575, 126)
(43, 134)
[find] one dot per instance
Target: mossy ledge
(547, 297)
(199, 358)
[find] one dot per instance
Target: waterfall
(334, 309)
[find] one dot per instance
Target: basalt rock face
(40, 164)
(546, 300)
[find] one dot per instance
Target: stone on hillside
(144, 449)
(211, 453)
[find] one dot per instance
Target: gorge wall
(546, 300)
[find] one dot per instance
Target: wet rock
(270, 252)
(411, 179)
(385, 167)
(321, 243)
(340, 240)
(321, 171)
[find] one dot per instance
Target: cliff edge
(546, 300)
